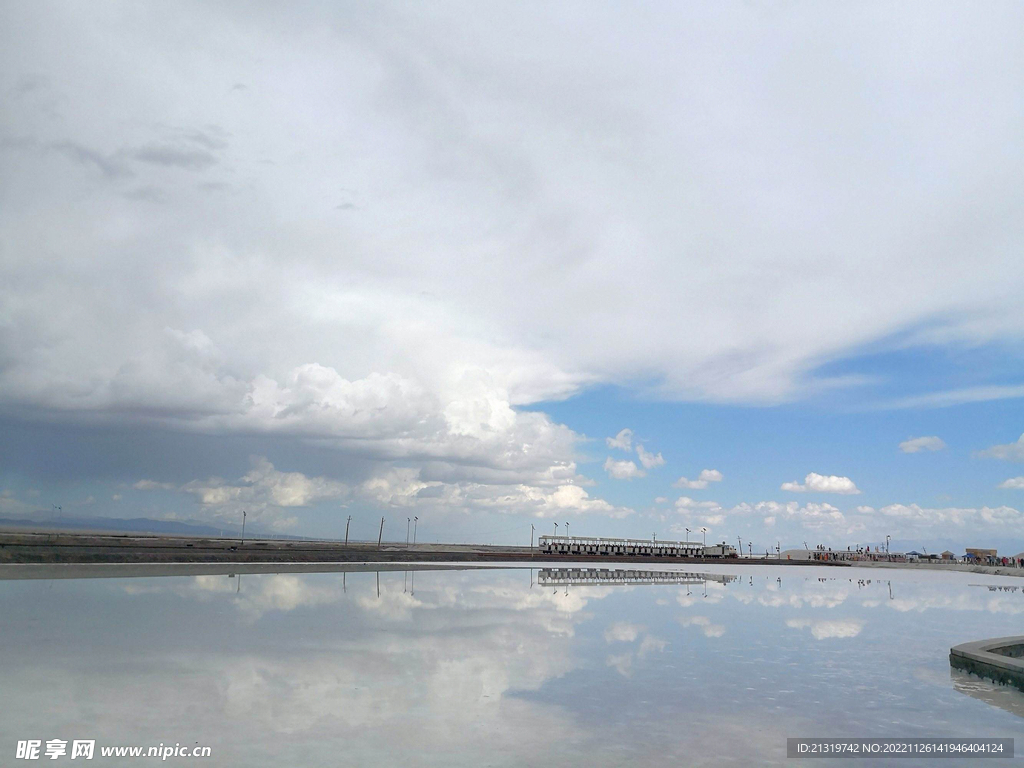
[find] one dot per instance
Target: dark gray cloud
(176, 157)
(110, 165)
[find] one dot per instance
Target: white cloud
(621, 663)
(279, 249)
(264, 493)
(958, 516)
(398, 487)
(649, 460)
(1010, 451)
(704, 623)
(822, 484)
(1013, 482)
(623, 441)
(541, 502)
(918, 444)
(651, 644)
(152, 485)
(622, 470)
(622, 632)
(957, 397)
(685, 502)
(823, 629)
(810, 515)
(706, 476)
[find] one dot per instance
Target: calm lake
(502, 666)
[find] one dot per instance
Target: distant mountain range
(122, 525)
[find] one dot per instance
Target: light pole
(740, 543)
(556, 530)
(687, 537)
(887, 555)
(243, 526)
(408, 526)
(567, 530)
(415, 522)
(347, 524)
(704, 552)
(380, 536)
(532, 528)
(750, 550)
(778, 549)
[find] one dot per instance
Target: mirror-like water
(502, 666)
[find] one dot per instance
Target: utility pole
(243, 526)
(415, 522)
(379, 537)
(347, 524)
(531, 543)
(740, 543)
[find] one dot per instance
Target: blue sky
(425, 261)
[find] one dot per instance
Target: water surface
(502, 666)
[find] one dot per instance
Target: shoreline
(56, 548)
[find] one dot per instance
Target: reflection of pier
(580, 577)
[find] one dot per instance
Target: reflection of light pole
(347, 524)
(243, 526)
(415, 521)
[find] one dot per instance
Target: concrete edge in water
(981, 658)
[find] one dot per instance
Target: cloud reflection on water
(487, 666)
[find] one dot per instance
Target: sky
(753, 267)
